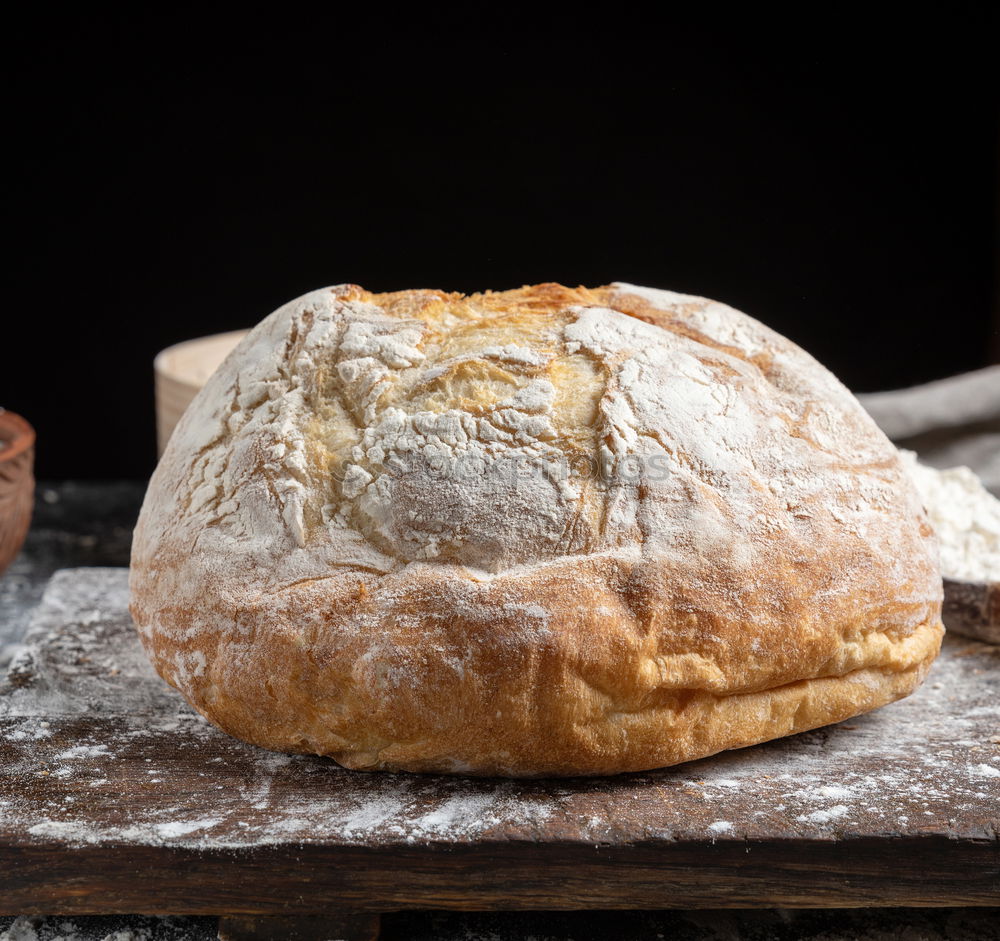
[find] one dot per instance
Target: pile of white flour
(966, 517)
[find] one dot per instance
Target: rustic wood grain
(552, 876)
(116, 797)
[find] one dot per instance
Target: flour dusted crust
(548, 531)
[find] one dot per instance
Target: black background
(836, 179)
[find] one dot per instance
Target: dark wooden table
(116, 797)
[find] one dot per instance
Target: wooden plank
(495, 876)
(116, 797)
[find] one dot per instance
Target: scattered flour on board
(985, 771)
(176, 828)
(83, 751)
(834, 791)
(825, 816)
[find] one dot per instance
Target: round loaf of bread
(547, 531)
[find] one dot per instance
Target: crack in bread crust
(703, 526)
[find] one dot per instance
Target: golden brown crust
(284, 582)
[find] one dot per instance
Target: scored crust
(547, 531)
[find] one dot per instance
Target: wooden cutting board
(116, 797)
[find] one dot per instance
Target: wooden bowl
(17, 483)
(180, 371)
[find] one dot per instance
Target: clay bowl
(972, 609)
(180, 371)
(17, 483)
